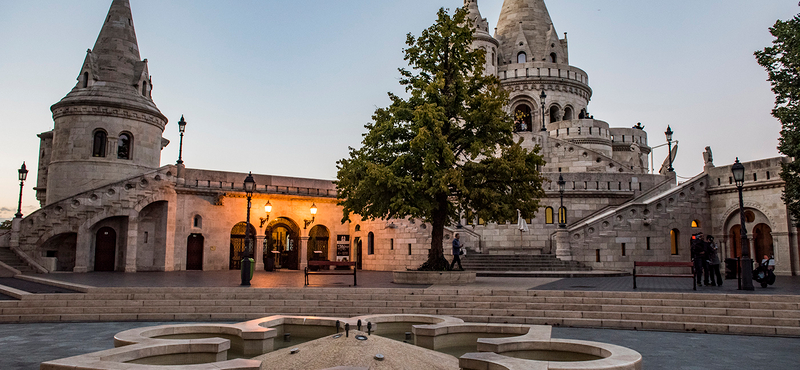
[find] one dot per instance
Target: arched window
(553, 58)
(548, 215)
(696, 223)
(522, 118)
(568, 114)
(371, 243)
(197, 222)
(522, 57)
(144, 88)
(99, 143)
(85, 79)
(675, 240)
(125, 144)
(554, 114)
(562, 215)
(358, 227)
(493, 59)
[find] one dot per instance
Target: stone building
(107, 205)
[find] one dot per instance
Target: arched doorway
(568, 114)
(762, 237)
(62, 247)
(105, 249)
(735, 241)
(194, 252)
(238, 243)
(280, 243)
(523, 118)
(318, 238)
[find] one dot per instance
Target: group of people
(706, 260)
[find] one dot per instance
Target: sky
(285, 87)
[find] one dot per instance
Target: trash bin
(731, 266)
(270, 263)
(252, 266)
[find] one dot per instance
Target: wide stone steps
(734, 314)
(10, 258)
(519, 262)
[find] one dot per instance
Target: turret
(107, 128)
(483, 39)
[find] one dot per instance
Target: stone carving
(708, 157)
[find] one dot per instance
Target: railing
(271, 189)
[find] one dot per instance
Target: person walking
(698, 257)
(456, 253)
(713, 262)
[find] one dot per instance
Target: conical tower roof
(525, 25)
(113, 72)
(479, 22)
(116, 48)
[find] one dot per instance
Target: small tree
(782, 61)
(5, 225)
(447, 148)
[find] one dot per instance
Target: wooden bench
(690, 265)
(324, 269)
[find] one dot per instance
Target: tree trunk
(436, 260)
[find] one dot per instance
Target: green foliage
(5, 225)
(447, 148)
(782, 62)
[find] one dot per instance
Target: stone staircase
(519, 262)
(11, 259)
(769, 315)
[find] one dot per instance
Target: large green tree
(782, 62)
(445, 149)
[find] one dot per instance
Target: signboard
(343, 247)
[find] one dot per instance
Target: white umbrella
(521, 224)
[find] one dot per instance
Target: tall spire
(479, 22)
(116, 49)
(528, 22)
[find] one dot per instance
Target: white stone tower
(107, 128)
(483, 39)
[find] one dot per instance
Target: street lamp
(746, 277)
(669, 141)
(313, 215)
(562, 213)
(542, 98)
(23, 174)
(182, 129)
(267, 209)
(249, 187)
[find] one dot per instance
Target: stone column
(171, 261)
(303, 252)
(132, 244)
(783, 255)
(258, 252)
(563, 248)
(83, 250)
(16, 225)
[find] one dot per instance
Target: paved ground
(381, 279)
(25, 346)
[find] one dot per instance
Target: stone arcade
(106, 205)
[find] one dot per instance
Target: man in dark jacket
(699, 257)
(456, 253)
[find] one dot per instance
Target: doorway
(194, 252)
(358, 253)
(282, 241)
(239, 245)
(762, 236)
(105, 249)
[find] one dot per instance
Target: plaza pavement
(24, 346)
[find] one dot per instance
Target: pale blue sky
(284, 87)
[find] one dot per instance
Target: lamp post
(542, 98)
(23, 174)
(313, 215)
(746, 268)
(669, 133)
(562, 213)
(249, 186)
(182, 129)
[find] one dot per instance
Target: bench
(690, 265)
(325, 271)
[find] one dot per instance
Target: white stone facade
(103, 212)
